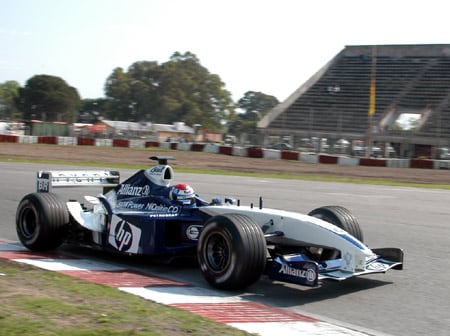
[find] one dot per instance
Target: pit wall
(253, 152)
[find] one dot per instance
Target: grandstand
(412, 82)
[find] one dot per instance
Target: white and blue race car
(234, 244)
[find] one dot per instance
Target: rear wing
(46, 180)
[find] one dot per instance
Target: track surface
(414, 301)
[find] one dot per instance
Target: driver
(182, 193)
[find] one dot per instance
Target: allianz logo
(131, 190)
(308, 274)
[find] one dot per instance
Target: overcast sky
(253, 45)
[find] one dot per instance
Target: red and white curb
(218, 306)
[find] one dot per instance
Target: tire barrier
(104, 142)
(372, 162)
(151, 144)
(49, 140)
(290, 155)
(121, 143)
(272, 154)
(211, 148)
(328, 159)
(348, 161)
(86, 141)
(8, 138)
(226, 150)
(66, 141)
(184, 146)
(309, 158)
(197, 147)
(441, 164)
(253, 152)
(422, 163)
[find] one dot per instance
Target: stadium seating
(408, 77)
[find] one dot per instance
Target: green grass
(38, 302)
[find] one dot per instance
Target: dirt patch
(111, 155)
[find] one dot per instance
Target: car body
(234, 244)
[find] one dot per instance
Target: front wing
(299, 270)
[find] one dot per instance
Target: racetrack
(414, 301)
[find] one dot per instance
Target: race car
(235, 244)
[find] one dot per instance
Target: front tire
(41, 221)
(342, 218)
(231, 251)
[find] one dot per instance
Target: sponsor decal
(124, 236)
(377, 266)
(158, 209)
(162, 215)
(193, 232)
(300, 272)
(161, 208)
(308, 274)
(347, 259)
(131, 190)
(157, 170)
(130, 205)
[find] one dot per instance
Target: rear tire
(41, 221)
(231, 251)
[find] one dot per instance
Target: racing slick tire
(41, 221)
(342, 218)
(231, 251)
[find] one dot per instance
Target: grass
(38, 302)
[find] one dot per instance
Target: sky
(271, 47)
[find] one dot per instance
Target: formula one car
(234, 244)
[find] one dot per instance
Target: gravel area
(110, 155)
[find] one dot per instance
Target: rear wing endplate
(46, 180)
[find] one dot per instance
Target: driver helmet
(183, 193)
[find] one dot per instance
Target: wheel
(231, 251)
(342, 218)
(41, 221)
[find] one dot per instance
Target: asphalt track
(414, 301)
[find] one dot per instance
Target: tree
(189, 92)
(9, 92)
(144, 77)
(117, 89)
(180, 89)
(92, 110)
(49, 98)
(255, 105)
